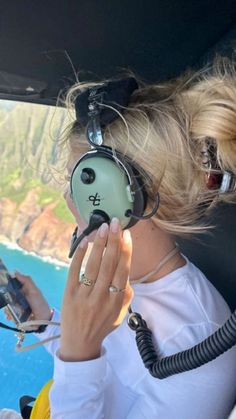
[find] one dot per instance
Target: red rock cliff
(35, 229)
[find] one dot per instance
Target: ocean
(25, 373)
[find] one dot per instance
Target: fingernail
(126, 236)
(103, 229)
(83, 243)
(115, 225)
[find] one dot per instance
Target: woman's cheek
(69, 202)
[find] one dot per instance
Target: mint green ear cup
(98, 183)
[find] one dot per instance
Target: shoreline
(47, 259)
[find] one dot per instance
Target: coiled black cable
(207, 350)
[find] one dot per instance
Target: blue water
(25, 373)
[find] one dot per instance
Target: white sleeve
(233, 414)
(78, 389)
(50, 331)
(207, 392)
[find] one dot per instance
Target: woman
(182, 136)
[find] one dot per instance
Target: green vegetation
(46, 195)
(29, 136)
(13, 188)
(61, 211)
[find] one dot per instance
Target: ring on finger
(114, 289)
(86, 281)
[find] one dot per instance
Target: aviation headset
(105, 184)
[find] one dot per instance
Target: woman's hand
(90, 313)
(39, 306)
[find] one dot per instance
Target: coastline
(47, 259)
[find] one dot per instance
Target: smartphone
(11, 296)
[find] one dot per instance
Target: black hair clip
(100, 105)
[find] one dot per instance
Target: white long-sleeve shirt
(181, 309)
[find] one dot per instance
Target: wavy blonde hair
(165, 130)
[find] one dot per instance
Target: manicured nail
(83, 243)
(103, 229)
(126, 236)
(115, 225)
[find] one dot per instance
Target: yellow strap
(41, 408)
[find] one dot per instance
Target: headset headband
(95, 108)
(100, 105)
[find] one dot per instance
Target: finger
(121, 304)
(7, 314)
(95, 257)
(22, 278)
(110, 258)
(75, 266)
(29, 288)
(26, 281)
(121, 275)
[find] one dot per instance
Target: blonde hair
(165, 130)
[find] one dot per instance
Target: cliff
(32, 161)
(34, 227)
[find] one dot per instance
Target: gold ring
(85, 281)
(113, 288)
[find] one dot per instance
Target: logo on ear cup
(95, 199)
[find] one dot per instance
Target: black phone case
(11, 295)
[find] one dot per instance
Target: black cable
(14, 329)
(97, 218)
(129, 213)
(207, 350)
